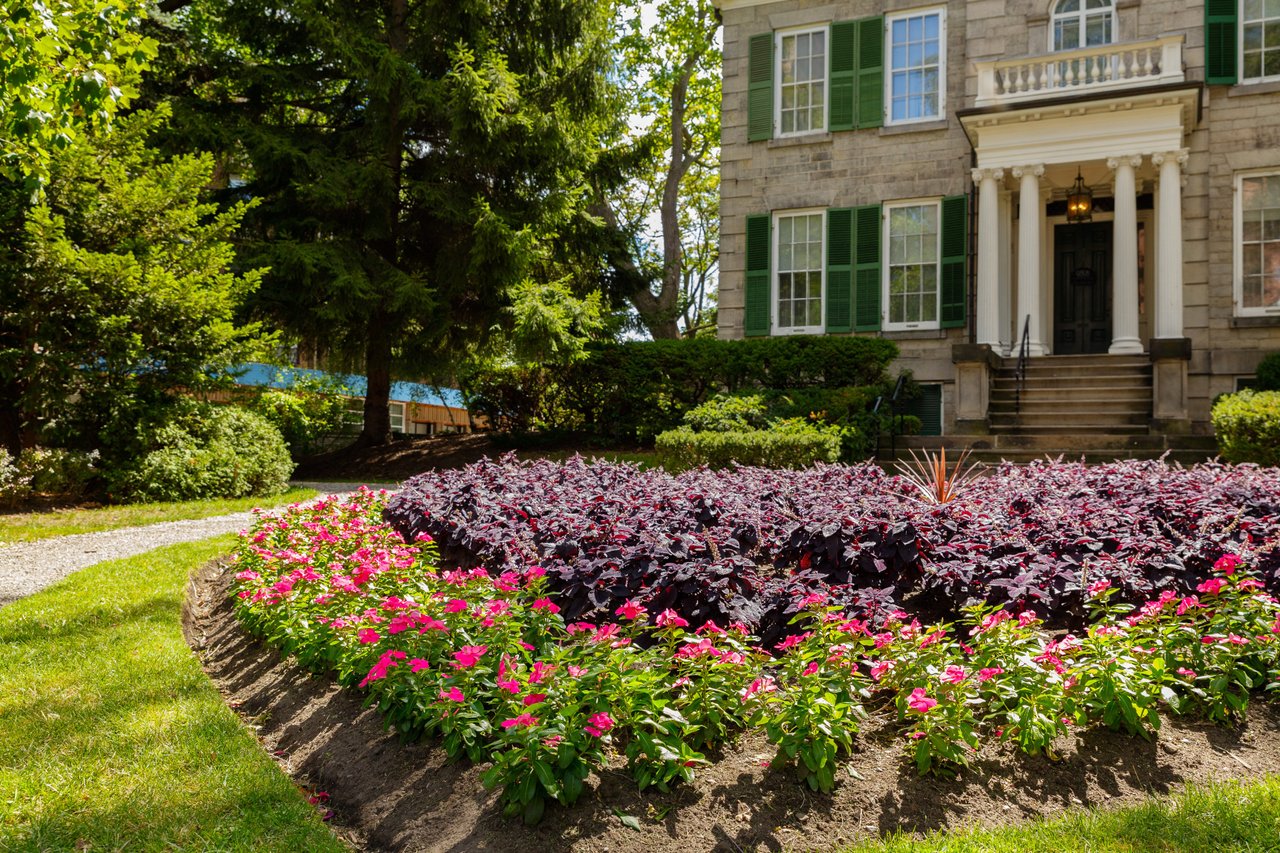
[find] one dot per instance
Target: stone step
(1098, 374)
(1042, 443)
(1071, 429)
(1055, 361)
(1029, 418)
(1070, 407)
(1090, 457)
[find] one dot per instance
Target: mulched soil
(389, 795)
(398, 459)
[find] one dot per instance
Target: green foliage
(550, 324)
(309, 413)
(120, 289)
(48, 471)
(789, 444)
(632, 391)
(198, 450)
(1247, 426)
(1267, 376)
(728, 413)
(66, 66)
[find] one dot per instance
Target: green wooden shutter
(755, 320)
(760, 87)
(1220, 27)
(871, 72)
(840, 270)
(866, 268)
(955, 254)
(843, 76)
(928, 408)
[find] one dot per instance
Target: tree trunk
(377, 366)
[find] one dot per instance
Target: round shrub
(1267, 376)
(1248, 427)
(203, 451)
(307, 419)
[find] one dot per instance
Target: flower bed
(747, 545)
(488, 663)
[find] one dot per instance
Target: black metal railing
(895, 423)
(1020, 372)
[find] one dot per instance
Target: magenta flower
(763, 684)
(418, 665)
(401, 622)
(1227, 564)
(506, 582)
(1188, 603)
(1026, 617)
(455, 605)
(368, 635)
(525, 719)
(879, 669)
(954, 674)
(1098, 587)
(1212, 586)
(545, 604)
(577, 671)
(430, 623)
(510, 685)
(1236, 640)
(1188, 674)
(920, 702)
(989, 672)
(630, 610)
(540, 671)
(469, 656)
(453, 695)
(598, 724)
(811, 668)
(534, 699)
(670, 619)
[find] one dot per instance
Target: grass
(1216, 816)
(113, 737)
(30, 526)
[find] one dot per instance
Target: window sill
(801, 139)
(915, 127)
(1268, 88)
(914, 334)
(1255, 321)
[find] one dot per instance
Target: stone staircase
(1095, 408)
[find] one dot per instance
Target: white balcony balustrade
(1085, 71)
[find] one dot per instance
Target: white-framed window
(915, 76)
(799, 276)
(1257, 243)
(396, 412)
(913, 252)
(801, 80)
(1260, 41)
(1082, 23)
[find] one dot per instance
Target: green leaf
(629, 821)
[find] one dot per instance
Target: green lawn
(1215, 817)
(113, 738)
(30, 526)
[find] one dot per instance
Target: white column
(1124, 288)
(988, 297)
(1029, 223)
(1005, 272)
(1168, 296)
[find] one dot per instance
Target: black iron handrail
(894, 420)
(1020, 372)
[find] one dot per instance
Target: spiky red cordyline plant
(930, 475)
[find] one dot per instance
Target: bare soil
(389, 795)
(397, 460)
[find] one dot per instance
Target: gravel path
(29, 567)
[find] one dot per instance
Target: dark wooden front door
(1082, 288)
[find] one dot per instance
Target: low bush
(198, 450)
(728, 413)
(631, 392)
(789, 444)
(1267, 376)
(1247, 426)
(745, 545)
(309, 416)
(45, 471)
(489, 663)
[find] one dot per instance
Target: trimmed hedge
(1267, 376)
(1248, 427)
(632, 391)
(788, 447)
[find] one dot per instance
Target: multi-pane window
(1259, 217)
(1083, 23)
(802, 81)
(1260, 42)
(912, 271)
(800, 255)
(915, 66)
(396, 413)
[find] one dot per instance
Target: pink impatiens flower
(630, 610)
(1026, 617)
(534, 699)
(954, 674)
(453, 694)
(793, 640)
(1212, 586)
(545, 604)
(670, 619)
(989, 672)
(368, 635)
(455, 605)
(510, 685)
(1189, 674)
(418, 665)
(920, 702)
(525, 719)
(1098, 587)
(468, 656)
(598, 724)
(1227, 564)
(880, 668)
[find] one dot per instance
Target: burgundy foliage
(747, 545)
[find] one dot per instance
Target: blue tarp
(269, 375)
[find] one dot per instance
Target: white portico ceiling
(1083, 130)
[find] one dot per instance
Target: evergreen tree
(415, 162)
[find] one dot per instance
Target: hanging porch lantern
(1079, 201)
